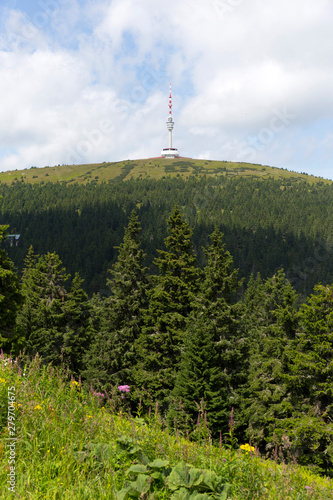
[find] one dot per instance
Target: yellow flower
(73, 382)
(38, 407)
(246, 447)
(2, 380)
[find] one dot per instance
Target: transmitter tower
(170, 152)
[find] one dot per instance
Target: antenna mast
(170, 152)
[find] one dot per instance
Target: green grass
(153, 168)
(73, 443)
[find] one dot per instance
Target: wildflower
(100, 394)
(38, 407)
(124, 388)
(2, 380)
(231, 421)
(73, 382)
(246, 447)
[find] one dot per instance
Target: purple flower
(124, 388)
(231, 421)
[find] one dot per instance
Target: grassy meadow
(151, 168)
(71, 442)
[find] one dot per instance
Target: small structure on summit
(170, 152)
(13, 239)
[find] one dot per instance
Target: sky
(87, 81)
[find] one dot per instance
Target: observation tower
(170, 152)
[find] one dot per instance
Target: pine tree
(170, 303)
(269, 402)
(53, 321)
(311, 382)
(315, 363)
(112, 356)
(77, 332)
(10, 299)
(211, 368)
(43, 315)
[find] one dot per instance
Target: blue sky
(88, 81)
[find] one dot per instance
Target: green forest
(268, 223)
(209, 297)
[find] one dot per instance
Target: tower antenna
(170, 152)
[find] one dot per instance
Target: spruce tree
(170, 303)
(315, 348)
(212, 363)
(77, 332)
(10, 299)
(311, 381)
(112, 357)
(53, 321)
(269, 400)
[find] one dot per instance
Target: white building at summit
(170, 152)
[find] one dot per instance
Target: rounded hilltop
(151, 168)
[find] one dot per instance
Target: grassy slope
(154, 168)
(73, 443)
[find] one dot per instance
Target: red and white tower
(170, 152)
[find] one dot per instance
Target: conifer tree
(170, 303)
(211, 368)
(315, 347)
(77, 332)
(10, 299)
(53, 321)
(269, 400)
(112, 357)
(311, 381)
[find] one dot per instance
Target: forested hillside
(270, 218)
(213, 354)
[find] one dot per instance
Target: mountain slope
(271, 218)
(152, 168)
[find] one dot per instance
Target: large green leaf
(225, 491)
(179, 477)
(184, 494)
(159, 463)
(196, 477)
(137, 469)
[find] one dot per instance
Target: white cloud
(233, 65)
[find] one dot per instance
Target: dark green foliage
(53, 321)
(170, 303)
(182, 337)
(315, 369)
(112, 357)
(271, 323)
(267, 224)
(312, 381)
(77, 333)
(199, 386)
(212, 366)
(10, 298)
